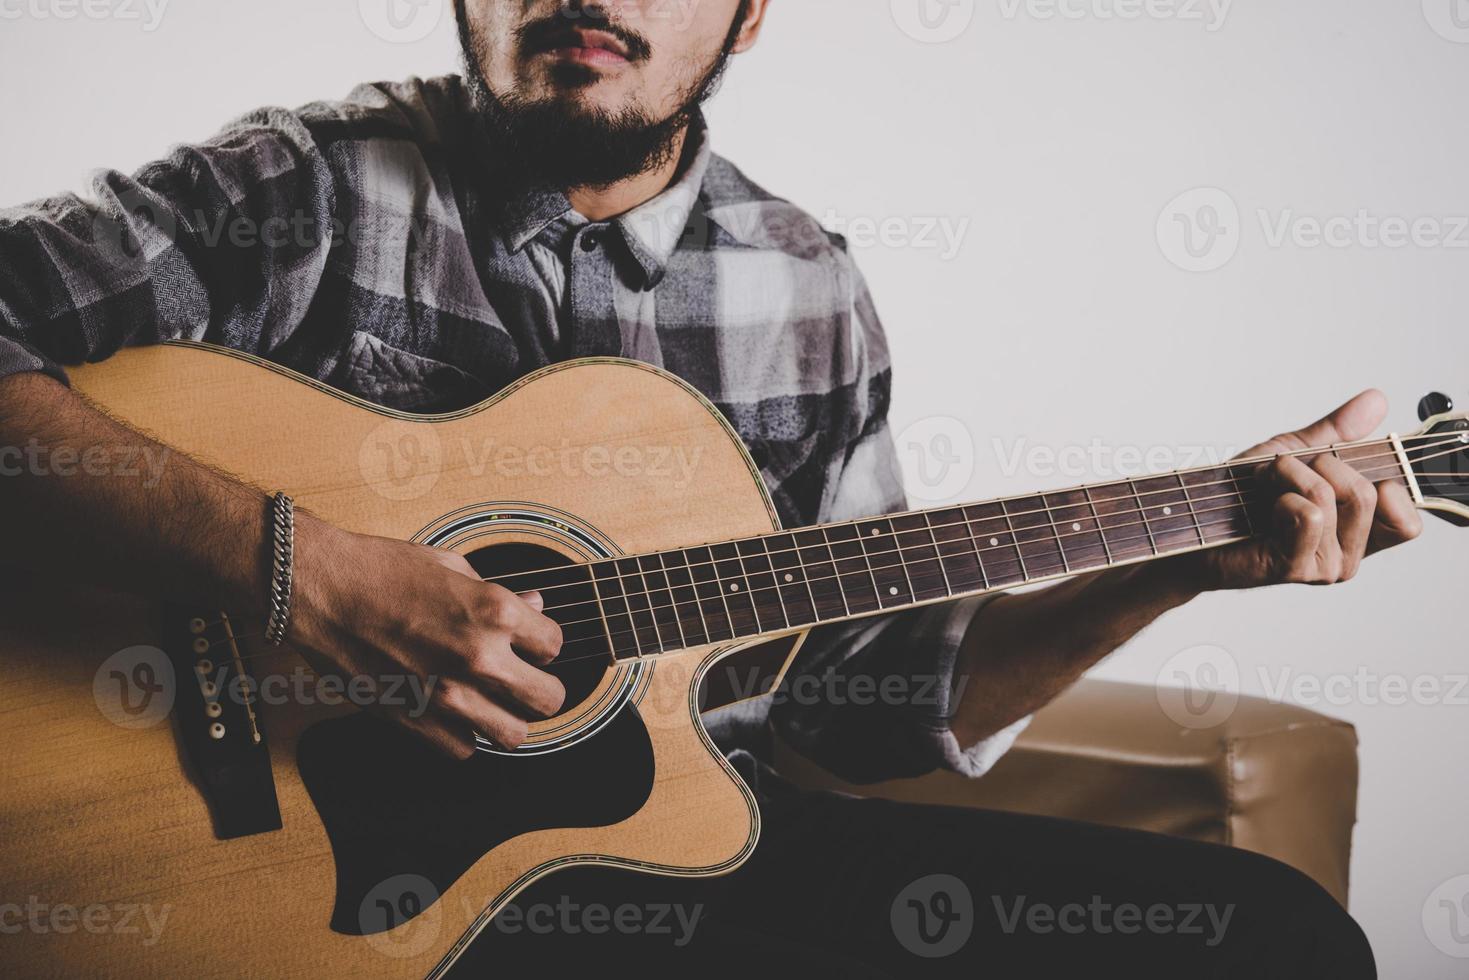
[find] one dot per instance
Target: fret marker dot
(1167, 510)
(1076, 527)
(790, 577)
(892, 590)
(875, 532)
(995, 542)
(734, 586)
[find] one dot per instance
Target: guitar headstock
(1439, 455)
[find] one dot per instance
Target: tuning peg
(1434, 403)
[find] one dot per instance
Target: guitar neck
(789, 580)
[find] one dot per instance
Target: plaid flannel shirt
(366, 243)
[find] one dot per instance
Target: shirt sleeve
(872, 699)
(222, 241)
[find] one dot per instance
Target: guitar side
(96, 816)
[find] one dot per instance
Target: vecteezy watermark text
(147, 13)
(1099, 917)
(570, 918)
(119, 918)
(34, 459)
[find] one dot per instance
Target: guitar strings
(1040, 572)
(619, 576)
(1047, 569)
(1003, 516)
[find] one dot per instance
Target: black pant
(870, 888)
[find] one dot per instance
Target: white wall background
(1054, 320)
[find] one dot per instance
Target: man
(559, 200)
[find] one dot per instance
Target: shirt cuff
(943, 632)
(17, 357)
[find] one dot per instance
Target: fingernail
(535, 600)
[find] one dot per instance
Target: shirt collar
(652, 230)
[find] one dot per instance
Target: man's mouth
(586, 47)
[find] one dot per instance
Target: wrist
(313, 606)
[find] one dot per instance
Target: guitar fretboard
(641, 605)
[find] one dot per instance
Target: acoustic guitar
(182, 800)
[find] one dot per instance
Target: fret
(859, 585)
(1142, 514)
(918, 550)
(1123, 524)
(661, 597)
(995, 545)
(1193, 514)
(1056, 530)
(720, 622)
(790, 579)
(827, 592)
(889, 573)
(1082, 546)
(681, 584)
(769, 603)
(1244, 500)
(736, 590)
(1040, 548)
(1168, 518)
(1219, 509)
(958, 551)
(934, 540)
(1097, 521)
(635, 594)
(621, 632)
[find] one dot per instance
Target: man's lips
(588, 48)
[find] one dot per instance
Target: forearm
(85, 497)
(1023, 650)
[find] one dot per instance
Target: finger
(535, 600)
(1356, 504)
(1300, 531)
(1357, 419)
(463, 707)
(535, 636)
(1291, 475)
(516, 684)
(1397, 519)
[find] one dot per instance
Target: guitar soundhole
(571, 600)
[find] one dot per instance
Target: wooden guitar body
(101, 819)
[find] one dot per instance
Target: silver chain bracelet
(283, 539)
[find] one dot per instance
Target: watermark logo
(1199, 687)
(400, 916)
(933, 21)
(1448, 18)
(401, 21)
(134, 688)
(136, 231)
(934, 916)
(401, 460)
(938, 456)
(1446, 917)
(1199, 230)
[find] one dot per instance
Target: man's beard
(552, 144)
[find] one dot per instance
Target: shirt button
(590, 242)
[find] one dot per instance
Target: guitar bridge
(218, 724)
